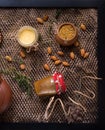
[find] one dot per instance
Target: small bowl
(19, 33)
(66, 42)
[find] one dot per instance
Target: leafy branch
(22, 80)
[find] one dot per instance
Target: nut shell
(72, 55)
(54, 58)
(86, 55)
(49, 50)
(57, 62)
(82, 52)
(8, 58)
(65, 63)
(60, 53)
(46, 67)
(83, 27)
(40, 20)
(45, 18)
(22, 54)
(22, 66)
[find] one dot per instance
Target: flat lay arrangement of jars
(66, 35)
(27, 36)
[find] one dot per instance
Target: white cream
(27, 36)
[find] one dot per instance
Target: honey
(50, 85)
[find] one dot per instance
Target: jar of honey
(50, 85)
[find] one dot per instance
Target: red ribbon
(59, 83)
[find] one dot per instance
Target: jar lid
(59, 83)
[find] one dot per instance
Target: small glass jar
(27, 37)
(50, 85)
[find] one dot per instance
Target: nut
(40, 20)
(57, 62)
(83, 27)
(72, 55)
(49, 50)
(82, 52)
(45, 18)
(8, 58)
(22, 54)
(46, 67)
(54, 58)
(76, 44)
(22, 66)
(65, 63)
(86, 55)
(60, 53)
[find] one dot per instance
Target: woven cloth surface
(32, 109)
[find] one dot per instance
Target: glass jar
(27, 37)
(50, 85)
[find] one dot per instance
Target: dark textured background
(32, 109)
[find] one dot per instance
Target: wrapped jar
(50, 85)
(66, 34)
(5, 95)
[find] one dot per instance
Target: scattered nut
(54, 58)
(82, 52)
(45, 18)
(46, 67)
(40, 20)
(72, 55)
(22, 54)
(65, 63)
(86, 55)
(60, 53)
(22, 66)
(49, 50)
(76, 44)
(8, 58)
(57, 62)
(83, 27)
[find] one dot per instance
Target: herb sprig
(23, 81)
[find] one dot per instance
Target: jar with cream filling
(27, 37)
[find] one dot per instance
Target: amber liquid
(45, 87)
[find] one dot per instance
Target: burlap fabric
(31, 109)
